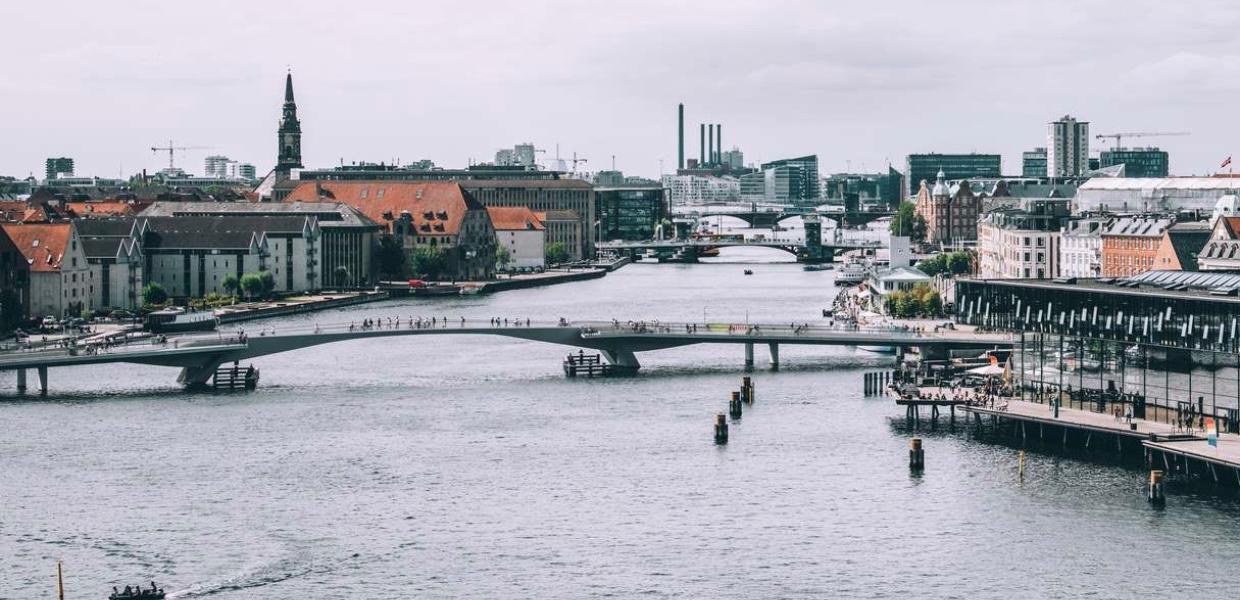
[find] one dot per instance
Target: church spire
(288, 88)
(288, 136)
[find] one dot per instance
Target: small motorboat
(749, 271)
(818, 267)
(137, 593)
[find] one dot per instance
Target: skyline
(978, 78)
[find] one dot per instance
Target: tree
(429, 262)
(934, 265)
(390, 258)
(932, 305)
(556, 253)
(960, 262)
(907, 222)
(231, 284)
(502, 258)
(153, 293)
(907, 306)
(340, 275)
(252, 284)
(269, 282)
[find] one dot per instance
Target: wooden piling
(1156, 496)
(735, 407)
(1020, 470)
(747, 390)
(721, 429)
(916, 455)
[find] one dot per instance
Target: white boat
(174, 319)
(852, 273)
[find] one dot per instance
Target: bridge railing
(759, 330)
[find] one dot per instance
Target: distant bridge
(767, 218)
(200, 355)
(690, 249)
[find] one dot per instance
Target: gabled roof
(434, 207)
(85, 210)
(1187, 241)
(234, 233)
(514, 218)
(42, 244)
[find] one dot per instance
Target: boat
(749, 271)
(818, 267)
(471, 289)
(176, 319)
(878, 349)
(436, 289)
(137, 593)
(853, 272)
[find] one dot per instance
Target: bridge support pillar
(42, 380)
(21, 380)
(749, 356)
(774, 348)
(623, 360)
(198, 375)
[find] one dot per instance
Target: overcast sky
(858, 83)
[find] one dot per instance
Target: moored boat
(853, 272)
(176, 319)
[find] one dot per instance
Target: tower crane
(171, 149)
(575, 161)
(1120, 136)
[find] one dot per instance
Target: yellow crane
(1120, 136)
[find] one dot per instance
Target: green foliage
(907, 222)
(502, 257)
(269, 282)
(252, 285)
(556, 253)
(951, 263)
(921, 301)
(153, 293)
(429, 262)
(390, 257)
(231, 284)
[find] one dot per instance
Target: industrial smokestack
(719, 143)
(680, 136)
(710, 139)
(702, 144)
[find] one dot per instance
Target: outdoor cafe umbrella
(988, 370)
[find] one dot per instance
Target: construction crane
(1120, 136)
(172, 149)
(575, 161)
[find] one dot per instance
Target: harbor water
(469, 466)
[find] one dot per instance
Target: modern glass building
(1033, 163)
(1138, 162)
(919, 167)
(804, 190)
(630, 213)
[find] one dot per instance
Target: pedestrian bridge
(199, 355)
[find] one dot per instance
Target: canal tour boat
(176, 319)
(852, 273)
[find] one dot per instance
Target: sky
(861, 84)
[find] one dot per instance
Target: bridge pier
(748, 356)
(21, 380)
(42, 380)
(198, 375)
(624, 360)
(774, 348)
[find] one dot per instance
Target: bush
(153, 293)
(556, 253)
(429, 262)
(252, 285)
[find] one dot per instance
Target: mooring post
(747, 389)
(21, 380)
(1020, 471)
(734, 406)
(748, 356)
(721, 429)
(1156, 495)
(916, 455)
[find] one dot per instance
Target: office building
(215, 165)
(59, 167)
(925, 167)
(696, 190)
(877, 190)
(1138, 162)
(1067, 148)
(1033, 163)
(630, 212)
(793, 181)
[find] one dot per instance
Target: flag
(1226, 162)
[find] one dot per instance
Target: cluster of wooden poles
(736, 407)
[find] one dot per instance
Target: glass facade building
(1138, 162)
(919, 167)
(630, 213)
(805, 188)
(1033, 163)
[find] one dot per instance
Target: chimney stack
(702, 144)
(680, 136)
(718, 143)
(710, 139)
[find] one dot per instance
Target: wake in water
(281, 570)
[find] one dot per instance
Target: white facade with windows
(1015, 253)
(691, 190)
(1080, 248)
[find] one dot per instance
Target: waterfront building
(550, 195)
(951, 212)
(924, 167)
(1138, 162)
(1067, 148)
(630, 212)
(563, 226)
(793, 180)
(191, 256)
(882, 190)
(698, 190)
(1146, 195)
(519, 231)
(883, 281)
(348, 238)
(752, 187)
(1130, 243)
(113, 250)
(1033, 163)
(58, 167)
(1021, 242)
(59, 276)
(1080, 247)
(1221, 251)
(14, 282)
(419, 214)
(1180, 245)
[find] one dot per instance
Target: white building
(696, 190)
(1067, 147)
(1080, 247)
(519, 230)
(113, 250)
(1021, 242)
(1153, 194)
(60, 279)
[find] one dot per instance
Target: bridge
(768, 217)
(200, 355)
(690, 249)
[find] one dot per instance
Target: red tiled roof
(13, 210)
(85, 210)
(1233, 226)
(513, 218)
(43, 244)
(435, 207)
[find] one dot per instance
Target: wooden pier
(234, 377)
(925, 396)
(592, 365)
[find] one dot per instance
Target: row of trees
(921, 301)
(948, 263)
(253, 285)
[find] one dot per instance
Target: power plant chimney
(710, 139)
(680, 136)
(718, 143)
(702, 144)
